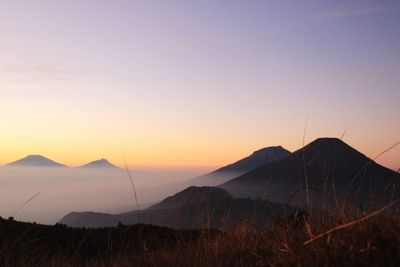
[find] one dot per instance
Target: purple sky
(196, 82)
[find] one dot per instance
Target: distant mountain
(194, 207)
(99, 164)
(336, 174)
(255, 160)
(35, 161)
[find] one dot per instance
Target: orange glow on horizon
(205, 155)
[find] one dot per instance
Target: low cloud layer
(70, 189)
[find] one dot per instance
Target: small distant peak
(36, 160)
(101, 163)
(34, 156)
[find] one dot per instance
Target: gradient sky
(196, 83)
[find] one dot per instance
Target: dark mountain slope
(334, 171)
(193, 194)
(257, 159)
(194, 207)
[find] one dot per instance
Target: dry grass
(367, 243)
(358, 240)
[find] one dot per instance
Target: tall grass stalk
(133, 186)
(24, 204)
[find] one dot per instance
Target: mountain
(336, 175)
(35, 161)
(194, 207)
(191, 195)
(99, 164)
(257, 159)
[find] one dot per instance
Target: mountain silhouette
(193, 194)
(327, 170)
(255, 160)
(194, 207)
(35, 161)
(98, 164)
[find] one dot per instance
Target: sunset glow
(168, 83)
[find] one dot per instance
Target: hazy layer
(71, 189)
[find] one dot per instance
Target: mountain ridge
(194, 207)
(326, 164)
(230, 171)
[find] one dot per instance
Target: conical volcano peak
(36, 161)
(101, 163)
(329, 141)
(327, 145)
(329, 167)
(38, 157)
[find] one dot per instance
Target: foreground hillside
(371, 242)
(31, 244)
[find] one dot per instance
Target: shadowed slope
(257, 159)
(333, 170)
(194, 207)
(193, 195)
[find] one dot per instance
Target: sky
(196, 83)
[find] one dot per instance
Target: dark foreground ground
(372, 242)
